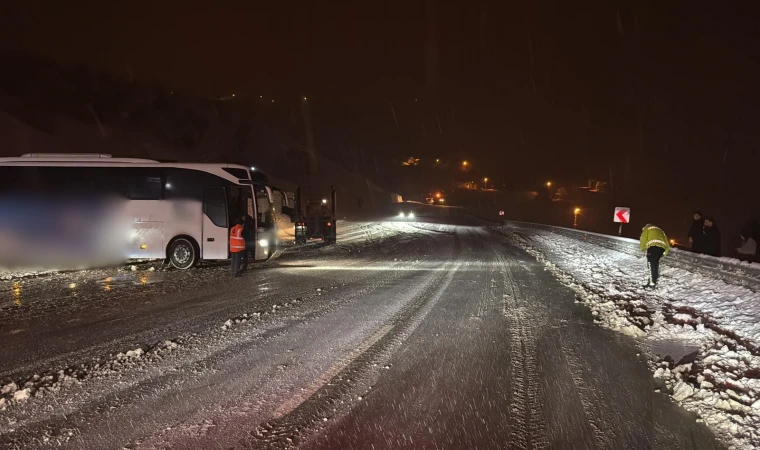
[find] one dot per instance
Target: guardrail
(729, 269)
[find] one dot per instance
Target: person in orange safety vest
(237, 247)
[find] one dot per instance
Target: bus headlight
(264, 242)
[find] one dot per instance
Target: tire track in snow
(527, 422)
(603, 435)
(288, 431)
(487, 292)
(289, 405)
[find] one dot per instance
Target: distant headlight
(264, 242)
(401, 214)
(411, 215)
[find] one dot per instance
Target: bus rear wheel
(183, 253)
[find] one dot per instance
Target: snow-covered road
(405, 335)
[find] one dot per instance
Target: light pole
(485, 183)
(576, 213)
(549, 188)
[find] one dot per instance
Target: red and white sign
(622, 215)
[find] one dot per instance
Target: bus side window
(235, 204)
(23, 180)
(141, 187)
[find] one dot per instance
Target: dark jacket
(697, 235)
(751, 230)
(712, 240)
(249, 229)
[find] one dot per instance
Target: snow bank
(721, 382)
(141, 358)
(39, 385)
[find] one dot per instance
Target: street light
(576, 212)
(465, 163)
(485, 183)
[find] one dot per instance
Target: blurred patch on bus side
(69, 229)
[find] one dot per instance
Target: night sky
(662, 93)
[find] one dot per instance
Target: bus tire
(183, 253)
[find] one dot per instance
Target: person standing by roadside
(750, 234)
(696, 234)
(712, 237)
(655, 242)
(237, 247)
(249, 234)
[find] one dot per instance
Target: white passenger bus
(65, 204)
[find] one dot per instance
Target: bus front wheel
(183, 254)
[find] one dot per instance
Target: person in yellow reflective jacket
(655, 242)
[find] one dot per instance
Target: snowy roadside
(720, 379)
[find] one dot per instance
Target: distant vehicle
(408, 216)
(435, 199)
(176, 211)
(314, 218)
